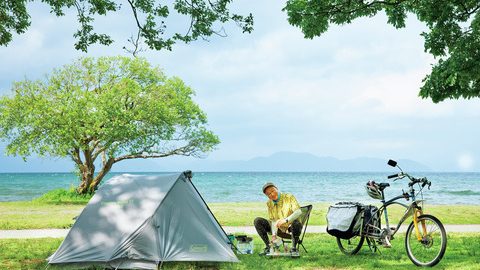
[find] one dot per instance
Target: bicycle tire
(426, 252)
(347, 247)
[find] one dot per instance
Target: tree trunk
(87, 171)
(106, 168)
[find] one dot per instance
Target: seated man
(283, 213)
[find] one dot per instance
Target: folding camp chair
(304, 217)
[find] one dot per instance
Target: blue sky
(352, 92)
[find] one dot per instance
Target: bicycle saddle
(382, 186)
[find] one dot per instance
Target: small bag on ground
(344, 219)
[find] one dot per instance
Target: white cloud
(346, 55)
(396, 95)
(351, 92)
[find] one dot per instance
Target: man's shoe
(294, 253)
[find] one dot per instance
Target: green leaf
(453, 35)
(113, 106)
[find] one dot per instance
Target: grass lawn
(463, 252)
(40, 215)
(33, 215)
(243, 214)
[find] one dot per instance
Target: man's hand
(280, 222)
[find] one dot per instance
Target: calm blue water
(447, 188)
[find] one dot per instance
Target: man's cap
(268, 184)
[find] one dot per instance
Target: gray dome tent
(138, 221)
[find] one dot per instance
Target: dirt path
(41, 233)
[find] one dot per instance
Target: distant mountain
(291, 162)
(277, 162)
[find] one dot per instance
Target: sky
(353, 92)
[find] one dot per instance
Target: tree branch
(191, 19)
(99, 151)
(95, 143)
(134, 9)
(76, 156)
(341, 8)
(107, 166)
(104, 158)
(187, 150)
(468, 13)
(136, 45)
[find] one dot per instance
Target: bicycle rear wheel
(431, 248)
(350, 246)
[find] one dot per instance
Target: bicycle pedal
(386, 243)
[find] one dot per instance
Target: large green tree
(453, 36)
(149, 16)
(103, 111)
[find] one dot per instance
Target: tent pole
(188, 175)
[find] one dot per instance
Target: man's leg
(263, 228)
(296, 228)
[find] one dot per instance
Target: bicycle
(426, 239)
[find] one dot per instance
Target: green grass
(63, 196)
(54, 209)
(50, 213)
(243, 214)
(34, 215)
(463, 252)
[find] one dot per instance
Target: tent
(140, 221)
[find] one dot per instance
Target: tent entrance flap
(188, 175)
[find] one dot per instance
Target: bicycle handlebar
(393, 175)
(424, 181)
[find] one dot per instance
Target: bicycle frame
(423, 248)
(412, 209)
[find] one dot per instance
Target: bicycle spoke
(431, 247)
(435, 228)
(350, 246)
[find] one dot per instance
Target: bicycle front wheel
(350, 246)
(430, 249)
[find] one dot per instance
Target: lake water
(447, 188)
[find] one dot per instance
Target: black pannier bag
(372, 219)
(344, 219)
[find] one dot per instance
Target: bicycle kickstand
(372, 246)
